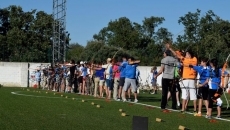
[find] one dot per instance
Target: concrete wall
(16, 74)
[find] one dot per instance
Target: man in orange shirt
(188, 78)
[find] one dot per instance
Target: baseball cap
(109, 59)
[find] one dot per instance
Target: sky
(84, 18)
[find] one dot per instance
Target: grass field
(33, 109)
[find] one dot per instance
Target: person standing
(167, 68)
(38, 78)
(116, 75)
(203, 87)
(122, 69)
(72, 75)
(188, 78)
(215, 88)
(153, 80)
(130, 79)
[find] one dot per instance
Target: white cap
(81, 62)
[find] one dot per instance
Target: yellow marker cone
(123, 114)
(92, 103)
(98, 106)
(158, 120)
(54, 93)
(83, 100)
(182, 127)
(66, 97)
(73, 98)
(46, 92)
(120, 110)
(61, 95)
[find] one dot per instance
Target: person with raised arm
(188, 78)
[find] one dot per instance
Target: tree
(25, 36)
(75, 51)
(208, 34)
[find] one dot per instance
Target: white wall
(15, 74)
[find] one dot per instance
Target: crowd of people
(118, 80)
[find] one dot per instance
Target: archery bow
(117, 52)
(223, 78)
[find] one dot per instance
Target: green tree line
(26, 37)
(206, 34)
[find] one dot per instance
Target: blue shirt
(154, 79)
(130, 71)
(215, 79)
(111, 73)
(97, 73)
(38, 75)
(101, 73)
(122, 68)
(64, 68)
(203, 72)
(84, 71)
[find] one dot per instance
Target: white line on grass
(17, 93)
(177, 111)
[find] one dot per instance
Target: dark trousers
(75, 83)
(167, 85)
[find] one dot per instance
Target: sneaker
(218, 117)
(198, 114)
(118, 99)
(124, 100)
(208, 117)
(135, 100)
(152, 93)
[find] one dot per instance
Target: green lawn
(46, 111)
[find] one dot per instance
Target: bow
(223, 78)
(116, 52)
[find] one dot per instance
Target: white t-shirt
(107, 67)
(80, 70)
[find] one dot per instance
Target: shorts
(80, 79)
(57, 79)
(210, 97)
(131, 82)
(188, 89)
(122, 81)
(203, 93)
(38, 79)
(101, 82)
(109, 84)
